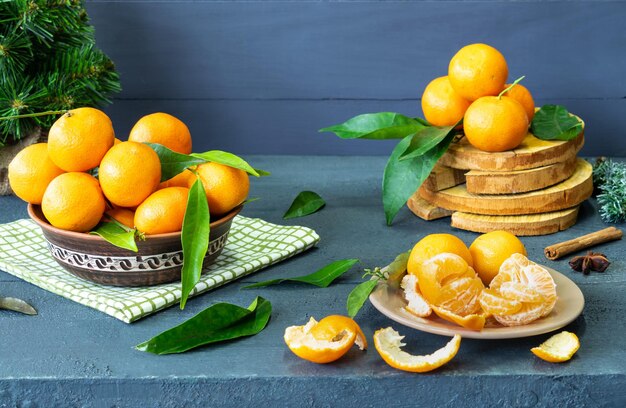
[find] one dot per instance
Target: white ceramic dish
(569, 306)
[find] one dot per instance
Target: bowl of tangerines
(128, 213)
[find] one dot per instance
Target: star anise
(593, 261)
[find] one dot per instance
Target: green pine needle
(48, 62)
(610, 180)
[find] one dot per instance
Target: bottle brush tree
(49, 63)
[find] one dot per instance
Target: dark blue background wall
(263, 76)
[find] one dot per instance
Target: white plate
(569, 305)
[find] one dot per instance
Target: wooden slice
(518, 181)
(442, 177)
(526, 225)
(426, 210)
(566, 194)
(532, 153)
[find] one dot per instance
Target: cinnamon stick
(554, 252)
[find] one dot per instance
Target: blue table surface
(71, 355)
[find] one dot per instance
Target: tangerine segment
(332, 326)
(388, 343)
(558, 348)
(528, 313)
(461, 295)
(494, 304)
(471, 321)
(521, 292)
(439, 268)
(416, 302)
(303, 343)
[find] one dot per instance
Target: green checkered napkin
(253, 244)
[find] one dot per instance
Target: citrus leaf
(195, 238)
(17, 305)
(219, 322)
(320, 278)
(116, 235)
(397, 269)
(305, 203)
(403, 177)
(173, 163)
(358, 296)
(378, 126)
(228, 159)
(426, 139)
(554, 122)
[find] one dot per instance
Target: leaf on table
(320, 278)
(554, 122)
(378, 126)
(17, 305)
(219, 322)
(358, 296)
(425, 139)
(173, 163)
(403, 177)
(194, 238)
(229, 159)
(305, 203)
(116, 235)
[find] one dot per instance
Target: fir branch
(610, 180)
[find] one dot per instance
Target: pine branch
(610, 180)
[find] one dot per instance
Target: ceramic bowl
(159, 258)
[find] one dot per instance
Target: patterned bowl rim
(44, 224)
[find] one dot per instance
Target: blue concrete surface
(260, 77)
(72, 356)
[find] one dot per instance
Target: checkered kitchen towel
(252, 245)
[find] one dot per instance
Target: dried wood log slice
(526, 225)
(426, 210)
(532, 153)
(518, 181)
(566, 194)
(442, 177)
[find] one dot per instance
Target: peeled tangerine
(520, 293)
(325, 341)
(452, 288)
(388, 343)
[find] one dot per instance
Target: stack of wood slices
(534, 189)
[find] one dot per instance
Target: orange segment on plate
(494, 304)
(326, 343)
(388, 343)
(523, 280)
(558, 348)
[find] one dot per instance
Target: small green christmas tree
(48, 63)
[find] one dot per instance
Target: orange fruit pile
(128, 188)
(447, 278)
(493, 120)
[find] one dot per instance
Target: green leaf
(378, 126)
(17, 305)
(228, 159)
(262, 173)
(554, 122)
(397, 269)
(195, 239)
(426, 139)
(403, 177)
(358, 296)
(305, 203)
(321, 278)
(173, 163)
(219, 322)
(117, 235)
